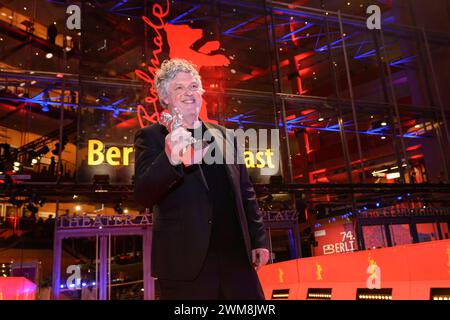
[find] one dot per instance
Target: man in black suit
(208, 233)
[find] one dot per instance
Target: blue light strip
(292, 244)
(118, 4)
(366, 54)
(40, 102)
(291, 126)
(229, 31)
(283, 38)
(184, 14)
(401, 61)
(325, 47)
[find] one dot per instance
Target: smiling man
(208, 233)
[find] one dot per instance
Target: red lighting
(291, 117)
(17, 288)
(412, 148)
(180, 39)
(152, 98)
(418, 156)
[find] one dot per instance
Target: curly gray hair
(168, 70)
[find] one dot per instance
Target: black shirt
(226, 232)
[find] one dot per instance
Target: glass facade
(361, 114)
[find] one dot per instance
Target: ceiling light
(394, 175)
(49, 55)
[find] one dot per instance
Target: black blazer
(182, 209)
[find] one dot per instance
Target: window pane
(427, 232)
(400, 234)
(374, 237)
(444, 230)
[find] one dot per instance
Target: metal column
(57, 252)
(103, 276)
(280, 115)
(396, 109)
(352, 97)
(438, 99)
(149, 284)
(386, 99)
(337, 108)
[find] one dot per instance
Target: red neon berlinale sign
(180, 39)
(152, 98)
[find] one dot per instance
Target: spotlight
(49, 55)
